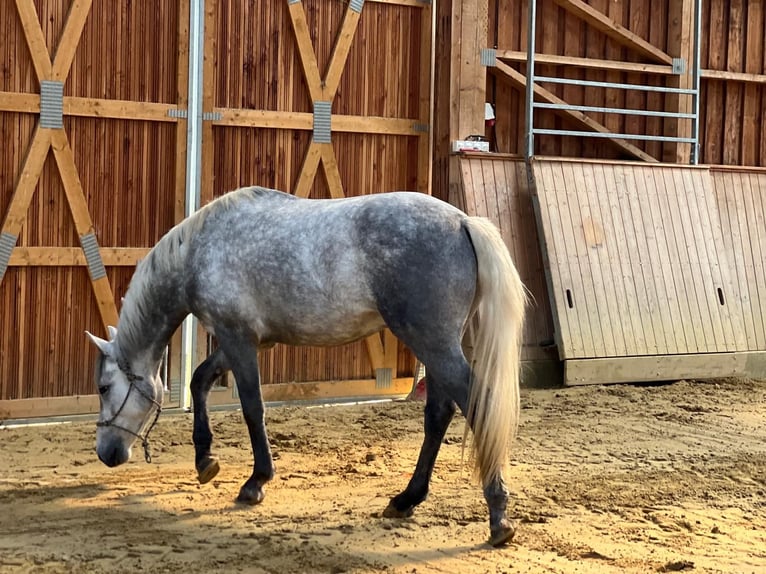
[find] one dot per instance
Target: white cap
(489, 111)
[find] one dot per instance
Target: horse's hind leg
(448, 378)
(439, 411)
(446, 383)
(202, 381)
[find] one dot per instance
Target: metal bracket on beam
(383, 378)
(679, 66)
(293, 1)
(92, 256)
(322, 122)
(356, 5)
(421, 128)
(51, 104)
(488, 57)
(7, 243)
(184, 114)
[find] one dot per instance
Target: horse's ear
(104, 346)
(112, 332)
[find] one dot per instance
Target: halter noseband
(132, 378)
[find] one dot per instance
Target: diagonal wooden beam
(375, 351)
(26, 183)
(70, 38)
(520, 81)
(71, 182)
(308, 170)
(83, 223)
(306, 50)
(615, 31)
(340, 53)
(38, 49)
(331, 172)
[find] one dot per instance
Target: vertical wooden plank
(600, 233)
(667, 259)
(614, 98)
(599, 247)
(680, 45)
(182, 100)
(754, 64)
(638, 22)
(210, 74)
(735, 315)
(425, 92)
(635, 339)
(583, 264)
(648, 254)
(739, 239)
(716, 50)
(698, 187)
(571, 281)
(689, 218)
(734, 90)
(479, 196)
(680, 262)
(556, 272)
(758, 241)
(490, 190)
(731, 313)
(526, 221)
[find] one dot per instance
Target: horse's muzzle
(113, 454)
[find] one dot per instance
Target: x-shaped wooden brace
(322, 92)
(52, 75)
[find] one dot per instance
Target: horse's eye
(102, 390)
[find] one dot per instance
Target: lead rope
(145, 443)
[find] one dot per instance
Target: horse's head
(130, 402)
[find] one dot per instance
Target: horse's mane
(163, 260)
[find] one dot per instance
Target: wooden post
(680, 45)
(460, 80)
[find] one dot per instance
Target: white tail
(493, 404)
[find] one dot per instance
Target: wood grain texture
(639, 267)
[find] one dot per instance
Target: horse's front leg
(202, 381)
(243, 359)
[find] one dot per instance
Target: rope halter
(132, 379)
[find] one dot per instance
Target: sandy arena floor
(605, 479)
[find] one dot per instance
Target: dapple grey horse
(259, 267)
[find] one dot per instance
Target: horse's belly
(330, 330)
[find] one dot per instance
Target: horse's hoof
(210, 470)
(250, 496)
(502, 534)
(392, 512)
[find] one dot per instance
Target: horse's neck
(153, 308)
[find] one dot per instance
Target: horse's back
(320, 271)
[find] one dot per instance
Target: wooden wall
(733, 90)
(125, 181)
(264, 82)
(497, 187)
(121, 184)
